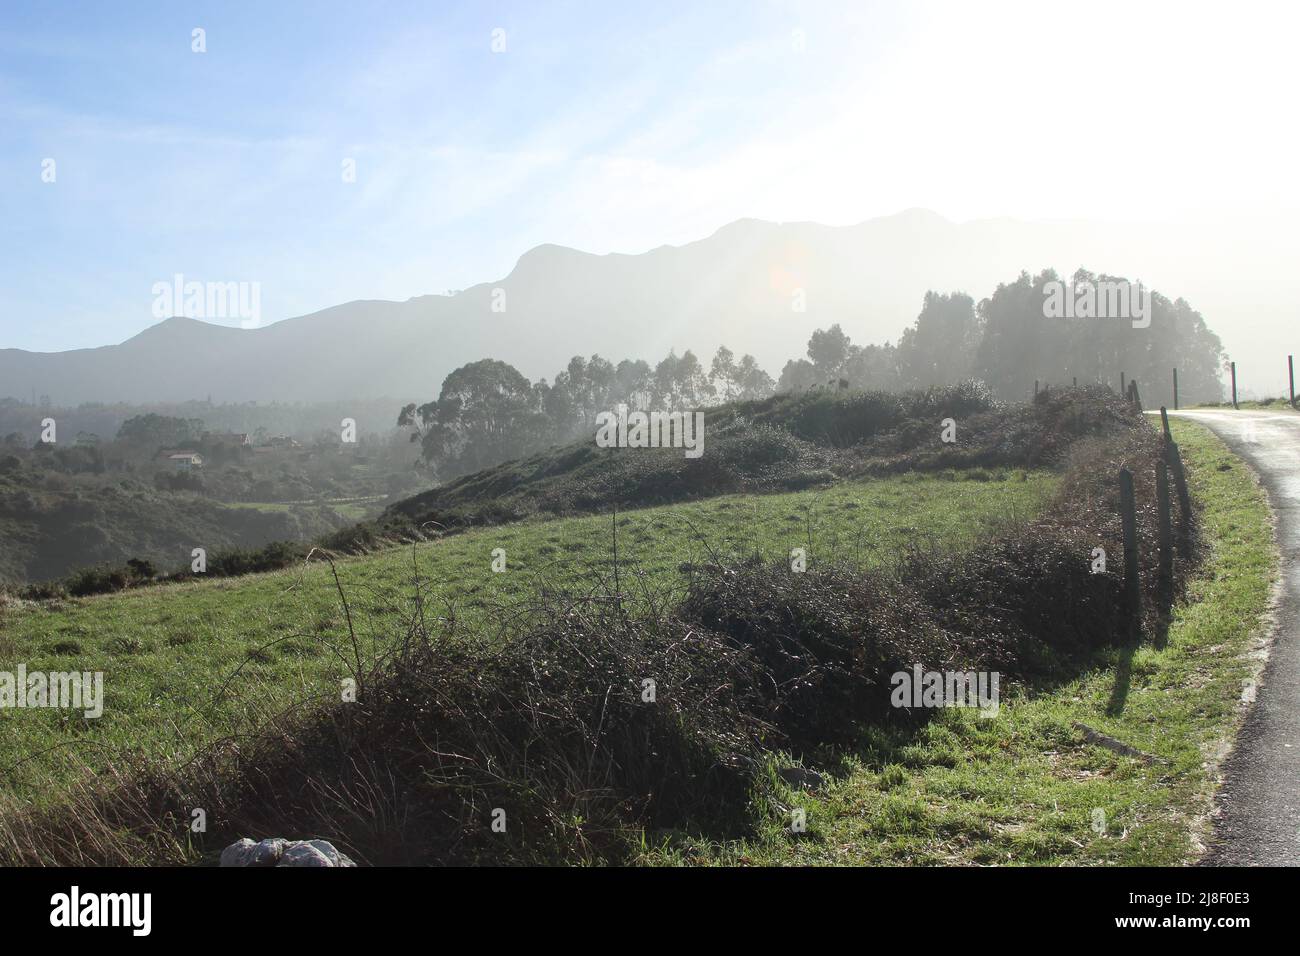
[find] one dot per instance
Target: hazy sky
(608, 126)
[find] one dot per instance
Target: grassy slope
(53, 524)
(1020, 788)
(168, 653)
(1024, 786)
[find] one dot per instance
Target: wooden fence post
(1164, 423)
(1184, 496)
(1165, 579)
(1137, 396)
(1123, 389)
(1234, 384)
(1132, 582)
(1175, 389)
(1290, 375)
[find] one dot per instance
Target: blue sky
(607, 126)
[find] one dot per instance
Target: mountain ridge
(757, 286)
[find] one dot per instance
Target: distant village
(230, 446)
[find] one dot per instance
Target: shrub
(549, 725)
(90, 581)
(271, 557)
(828, 641)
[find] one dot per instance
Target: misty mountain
(756, 286)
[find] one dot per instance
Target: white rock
(304, 854)
(238, 854)
(268, 852)
(248, 853)
(278, 852)
(331, 853)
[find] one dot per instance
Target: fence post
(1164, 423)
(1184, 497)
(1175, 389)
(1234, 384)
(1290, 375)
(1137, 396)
(1165, 580)
(1132, 583)
(1035, 388)
(1123, 389)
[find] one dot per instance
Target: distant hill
(739, 286)
(53, 525)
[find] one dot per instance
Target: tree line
(488, 412)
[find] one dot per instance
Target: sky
(481, 129)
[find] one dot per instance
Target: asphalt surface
(1257, 817)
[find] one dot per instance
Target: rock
(238, 854)
(278, 852)
(304, 854)
(248, 853)
(328, 850)
(269, 852)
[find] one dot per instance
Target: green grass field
(1024, 787)
(184, 664)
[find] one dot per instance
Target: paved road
(1258, 819)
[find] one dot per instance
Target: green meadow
(187, 663)
(1025, 787)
